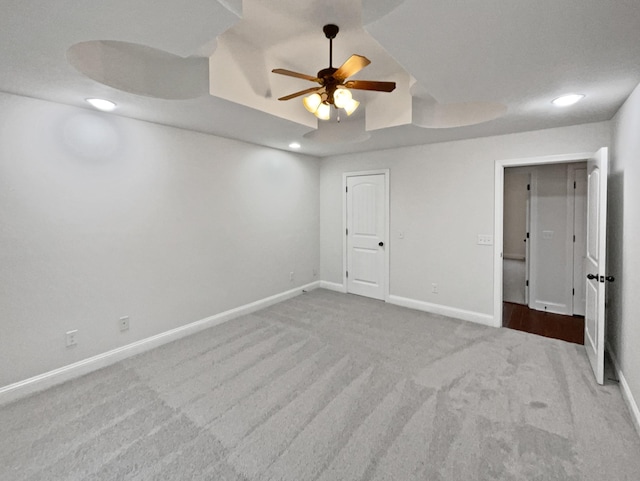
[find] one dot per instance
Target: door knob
(381, 244)
(592, 276)
(610, 278)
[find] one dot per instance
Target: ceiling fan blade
(302, 92)
(370, 85)
(291, 73)
(352, 66)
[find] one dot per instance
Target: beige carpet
(326, 387)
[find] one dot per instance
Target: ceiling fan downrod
(330, 31)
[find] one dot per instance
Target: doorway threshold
(547, 324)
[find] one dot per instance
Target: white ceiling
(475, 57)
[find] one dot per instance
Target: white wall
(103, 217)
(515, 213)
(623, 254)
(442, 197)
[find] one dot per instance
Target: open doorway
(544, 247)
(595, 263)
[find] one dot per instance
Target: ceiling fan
(334, 86)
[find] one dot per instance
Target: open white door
(595, 261)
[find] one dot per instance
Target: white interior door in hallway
(366, 212)
(595, 263)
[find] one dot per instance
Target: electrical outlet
(123, 323)
(72, 338)
(291, 276)
(434, 288)
(485, 240)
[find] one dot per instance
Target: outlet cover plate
(485, 240)
(71, 337)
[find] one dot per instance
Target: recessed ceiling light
(567, 100)
(294, 145)
(102, 104)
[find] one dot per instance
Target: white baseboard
(333, 286)
(470, 316)
(34, 384)
(627, 395)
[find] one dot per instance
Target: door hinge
(527, 283)
(573, 292)
(528, 186)
(574, 238)
(527, 235)
(346, 189)
(347, 233)
(574, 184)
(347, 274)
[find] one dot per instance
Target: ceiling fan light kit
(312, 102)
(342, 97)
(324, 111)
(334, 89)
(351, 106)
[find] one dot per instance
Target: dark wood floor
(557, 326)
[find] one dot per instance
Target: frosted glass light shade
(312, 102)
(341, 97)
(323, 112)
(351, 106)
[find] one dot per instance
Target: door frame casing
(498, 215)
(345, 175)
(571, 218)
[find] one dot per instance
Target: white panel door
(595, 261)
(366, 243)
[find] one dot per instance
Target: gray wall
(103, 217)
(442, 197)
(623, 243)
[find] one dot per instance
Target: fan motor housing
(329, 82)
